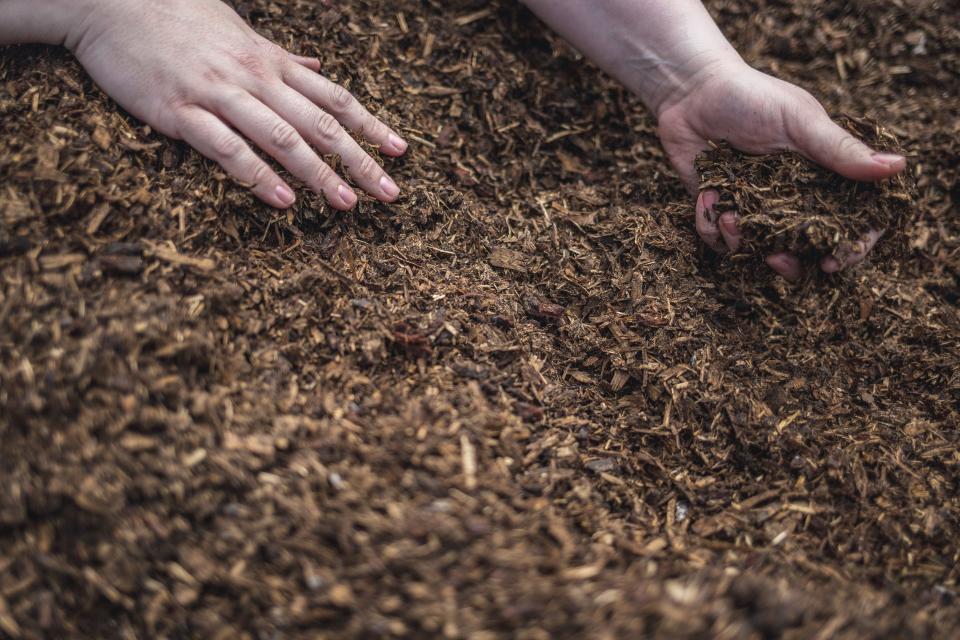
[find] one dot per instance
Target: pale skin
(194, 70)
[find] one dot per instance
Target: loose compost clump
(786, 202)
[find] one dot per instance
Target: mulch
(785, 202)
(524, 401)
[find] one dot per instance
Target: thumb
(826, 143)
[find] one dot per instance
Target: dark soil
(522, 402)
(787, 203)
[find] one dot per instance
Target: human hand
(758, 114)
(194, 70)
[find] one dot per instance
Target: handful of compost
(788, 203)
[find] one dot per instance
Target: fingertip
(868, 171)
(830, 265)
(389, 188)
(707, 200)
(284, 196)
(394, 146)
(788, 266)
(827, 143)
(705, 221)
(387, 150)
(891, 163)
(347, 198)
(729, 222)
(850, 254)
(730, 230)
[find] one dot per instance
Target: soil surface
(522, 402)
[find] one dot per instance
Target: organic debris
(786, 202)
(523, 401)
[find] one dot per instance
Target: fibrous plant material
(786, 202)
(517, 402)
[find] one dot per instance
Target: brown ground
(522, 402)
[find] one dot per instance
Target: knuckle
(807, 99)
(228, 146)
(324, 174)
(170, 113)
(252, 63)
(260, 174)
(229, 93)
(801, 110)
(175, 99)
(372, 128)
(213, 75)
(368, 167)
(273, 52)
(340, 98)
(327, 128)
(283, 136)
(847, 145)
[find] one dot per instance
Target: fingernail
(389, 187)
(396, 143)
(785, 266)
(348, 197)
(708, 199)
(888, 159)
(285, 195)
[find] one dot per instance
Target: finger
(324, 132)
(686, 170)
(211, 137)
(826, 143)
(337, 101)
(310, 63)
(706, 220)
(786, 265)
(848, 256)
(730, 231)
(279, 139)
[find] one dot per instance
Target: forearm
(39, 21)
(652, 46)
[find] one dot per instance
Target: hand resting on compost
(194, 70)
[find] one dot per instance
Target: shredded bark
(785, 202)
(523, 401)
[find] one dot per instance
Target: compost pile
(524, 401)
(787, 203)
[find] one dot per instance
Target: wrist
(41, 21)
(663, 82)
